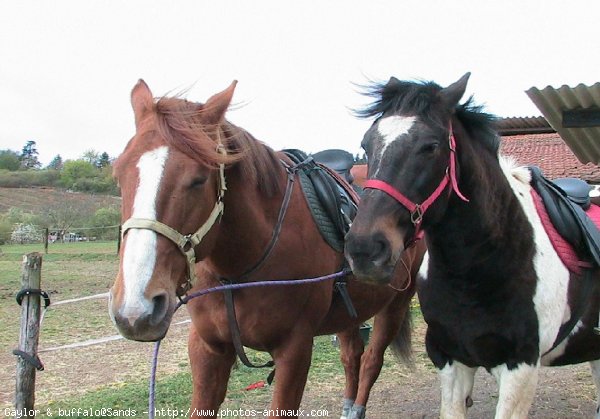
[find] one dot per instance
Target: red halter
(418, 210)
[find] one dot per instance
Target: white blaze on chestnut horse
(197, 188)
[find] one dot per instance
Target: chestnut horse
(188, 169)
(497, 293)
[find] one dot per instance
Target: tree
(9, 160)
(66, 212)
(360, 159)
(29, 156)
(25, 233)
(103, 218)
(56, 163)
(103, 160)
(75, 171)
(91, 156)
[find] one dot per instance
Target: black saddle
(565, 201)
(337, 202)
(339, 160)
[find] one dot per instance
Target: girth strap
(235, 333)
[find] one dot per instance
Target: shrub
(28, 178)
(103, 218)
(25, 233)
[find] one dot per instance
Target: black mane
(421, 98)
(403, 97)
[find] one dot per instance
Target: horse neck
(486, 234)
(247, 224)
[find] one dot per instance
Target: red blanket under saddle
(565, 250)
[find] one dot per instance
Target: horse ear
(141, 100)
(215, 107)
(453, 93)
(392, 81)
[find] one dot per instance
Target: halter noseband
(186, 243)
(417, 211)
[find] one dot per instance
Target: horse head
(412, 172)
(171, 176)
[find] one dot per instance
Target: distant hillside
(36, 199)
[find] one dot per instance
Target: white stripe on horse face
(139, 255)
(391, 129)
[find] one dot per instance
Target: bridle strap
(418, 210)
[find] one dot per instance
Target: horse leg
(517, 390)
(351, 349)
(292, 362)
(457, 385)
(596, 375)
(211, 368)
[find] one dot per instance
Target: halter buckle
(417, 215)
(186, 243)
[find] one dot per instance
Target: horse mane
(422, 99)
(180, 125)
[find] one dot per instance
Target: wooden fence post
(30, 328)
(46, 233)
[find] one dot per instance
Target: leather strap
(235, 333)
(229, 303)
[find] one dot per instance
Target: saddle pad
(327, 228)
(565, 250)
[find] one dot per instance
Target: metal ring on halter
(417, 215)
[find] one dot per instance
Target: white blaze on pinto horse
(496, 295)
(197, 188)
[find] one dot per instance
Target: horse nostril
(380, 251)
(160, 304)
(374, 249)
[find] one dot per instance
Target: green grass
(174, 392)
(69, 270)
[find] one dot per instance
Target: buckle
(417, 215)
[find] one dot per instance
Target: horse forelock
(179, 123)
(423, 99)
(399, 97)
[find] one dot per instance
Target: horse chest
(477, 330)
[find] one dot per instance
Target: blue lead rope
(184, 300)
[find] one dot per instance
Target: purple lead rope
(184, 300)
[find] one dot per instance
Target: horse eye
(198, 182)
(429, 148)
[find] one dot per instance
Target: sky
(67, 67)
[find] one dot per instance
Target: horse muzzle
(371, 257)
(144, 319)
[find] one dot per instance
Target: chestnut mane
(180, 125)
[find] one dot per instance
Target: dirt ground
(399, 393)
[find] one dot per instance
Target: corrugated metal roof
(584, 142)
(523, 125)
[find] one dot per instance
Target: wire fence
(29, 234)
(88, 342)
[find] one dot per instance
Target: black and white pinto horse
(496, 292)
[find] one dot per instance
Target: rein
(417, 211)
